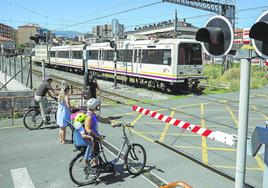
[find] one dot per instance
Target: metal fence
(12, 108)
(16, 67)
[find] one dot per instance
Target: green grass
(230, 80)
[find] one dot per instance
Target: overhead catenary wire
(35, 12)
(109, 15)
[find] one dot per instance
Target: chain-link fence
(18, 68)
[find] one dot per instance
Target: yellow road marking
(137, 119)
(204, 139)
(233, 167)
(187, 147)
(143, 136)
(222, 149)
(263, 115)
(163, 135)
(232, 114)
(257, 157)
(170, 134)
(133, 123)
(259, 161)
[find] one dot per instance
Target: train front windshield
(189, 54)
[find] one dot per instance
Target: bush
(231, 78)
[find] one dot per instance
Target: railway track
(104, 94)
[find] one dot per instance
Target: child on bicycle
(90, 128)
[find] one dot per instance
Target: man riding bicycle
(44, 89)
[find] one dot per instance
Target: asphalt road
(37, 159)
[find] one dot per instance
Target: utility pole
(175, 22)
(115, 32)
(115, 63)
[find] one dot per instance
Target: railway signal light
(112, 44)
(259, 33)
(35, 38)
(217, 36)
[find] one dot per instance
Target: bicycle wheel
(33, 119)
(82, 173)
(135, 159)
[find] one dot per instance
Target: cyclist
(44, 89)
(91, 126)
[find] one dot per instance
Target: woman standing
(64, 112)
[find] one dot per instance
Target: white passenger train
(165, 63)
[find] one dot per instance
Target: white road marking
(21, 178)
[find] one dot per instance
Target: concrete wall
(15, 101)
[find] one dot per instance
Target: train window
(189, 54)
(110, 55)
(94, 55)
(63, 54)
(152, 56)
(167, 57)
(88, 54)
(127, 54)
(52, 54)
(77, 54)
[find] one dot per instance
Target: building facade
(25, 32)
(105, 31)
(8, 32)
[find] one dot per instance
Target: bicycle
(83, 173)
(32, 119)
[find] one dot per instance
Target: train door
(71, 57)
(137, 60)
(100, 58)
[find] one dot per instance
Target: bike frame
(125, 142)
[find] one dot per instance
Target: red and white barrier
(214, 135)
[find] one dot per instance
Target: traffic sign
(41, 52)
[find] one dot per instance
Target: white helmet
(93, 103)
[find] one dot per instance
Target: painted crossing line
(21, 178)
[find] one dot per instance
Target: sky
(81, 15)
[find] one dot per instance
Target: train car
(168, 64)
(67, 57)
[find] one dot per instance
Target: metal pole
(21, 65)
(9, 64)
(243, 123)
(31, 73)
(43, 70)
(15, 66)
(175, 22)
(115, 63)
(1, 63)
